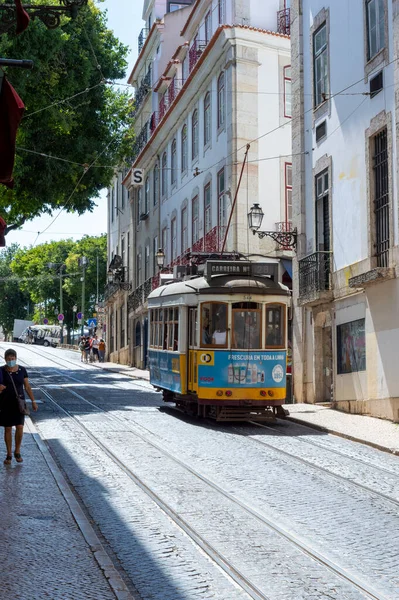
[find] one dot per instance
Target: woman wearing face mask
(15, 378)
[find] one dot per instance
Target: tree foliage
(42, 282)
(91, 127)
(14, 302)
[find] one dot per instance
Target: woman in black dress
(9, 412)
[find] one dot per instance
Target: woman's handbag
(22, 406)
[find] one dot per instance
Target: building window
(112, 204)
(146, 263)
(351, 347)
(288, 192)
(375, 27)
(164, 174)
(146, 196)
(322, 213)
(123, 250)
(184, 230)
(122, 328)
(194, 135)
(128, 257)
(221, 100)
(156, 184)
(222, 207)
(208, 26)
(184, 149)
(138, 269)
(173, 163)
(207, 208)
(320, 65)
(139, 204)
(137, 337)
(222, 12)
(207, 119)
(173, 238)
(195, 220)
(287, 92)
(165, 243)
(381, 198)
(154, 252)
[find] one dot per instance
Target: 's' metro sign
(137, 177)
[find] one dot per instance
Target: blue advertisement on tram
(165, 370)
(257, 369)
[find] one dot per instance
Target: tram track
(216, 556)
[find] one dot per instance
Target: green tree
(42, 282)
(91, 128)
(13, 301)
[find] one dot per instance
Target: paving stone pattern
(42, 552)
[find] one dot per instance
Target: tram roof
(220, 284)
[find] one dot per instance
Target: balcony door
(322, 213)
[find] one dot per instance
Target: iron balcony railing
(141, 140)
(142, 38)
(314, 274)
(139, 296)
(284, 21)
(195, 52)
(142, 92)
(285, 227)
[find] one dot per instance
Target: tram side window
(275, 326)
(214, 324)
(246, 329)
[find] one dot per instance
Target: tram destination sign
(246, 268)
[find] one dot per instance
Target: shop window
(351, 347)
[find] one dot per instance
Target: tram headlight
(271, 393)
(219, 393)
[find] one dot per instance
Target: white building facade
(345, 203)
(207, 93)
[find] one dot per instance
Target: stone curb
(105, 563)
(343, 435)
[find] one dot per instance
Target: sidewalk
(378, 433)
(48, 548)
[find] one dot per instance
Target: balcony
(284, 21)
(315, 283)
(139, 296)
(141, 139)
(143, 90)
(195, 52)
(142, 38)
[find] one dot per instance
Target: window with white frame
(195, 219)
(184, 158)
(184, 230)
(288, 192)
(287, 92)
(112, 203)
(139, 203)
(207, 119)
(320, 65)
(173, 238)
(156, 184)
(146, 195)
(222, 206)
(164, 174)
(146, 263)
(375, 18)
(138, 269)
(194, 135)
(208, 26)
(222, 11)
(221, 100)
(207, 208)
(164, 239)
(155, 248)
(173, 162)
(128, 257)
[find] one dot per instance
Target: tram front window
(246, 329)
(214, 324)
(274, 326)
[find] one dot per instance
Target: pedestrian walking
(101, 350)
(82, 344)
(15, 381)
(87, 349)
(94, 346)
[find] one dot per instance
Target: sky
(124, 18)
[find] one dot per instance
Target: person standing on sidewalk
(101, 350)
(15, 379)
(94, 347)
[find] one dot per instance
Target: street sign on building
(137, 177)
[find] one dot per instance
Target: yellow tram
(218, 342)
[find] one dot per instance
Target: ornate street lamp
(287, 239)
(49, 15)
(160, 258)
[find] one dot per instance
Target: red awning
(11, 111)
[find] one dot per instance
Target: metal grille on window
(381, 198)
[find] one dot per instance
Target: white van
(43, 335)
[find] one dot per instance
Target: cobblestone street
(166, 507)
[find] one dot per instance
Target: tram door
(192, 349)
